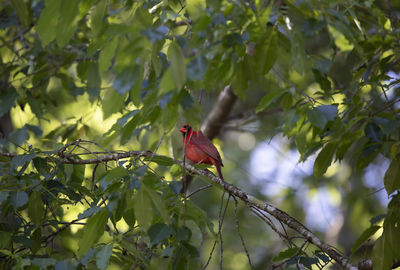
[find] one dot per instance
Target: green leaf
(19, 136)
(36, 208)
(92, 231)
(43, 263)
(322, 80)
(107, 54)
(5, 239)
(3, 196)
(93, 79)
(103, 256)
(89, 212)
(265, 53)
(112, 103)
(66, 264)
(266, 101)
(67, 21)
(116, 174)
(240, 80)
(143, 208)
(392, 176)
(159, 204)
(196, 237)
(167, 82)
(377, 219)
(8, 98)
(364, 237)
(22, 11)
(324, 159)
(161, 160)
(47, 23)
(178, 67)
(124, 81)
(197, 67)
(128, 129)
(97, 17)
(129, 216)
(37, 240)
(18, 199)
(158, 232)
(36, 130)
(320, 115)
(20, 160)
(381, 255)
(285, 254)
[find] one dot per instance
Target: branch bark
(219, 113)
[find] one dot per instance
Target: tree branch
(249, 200)
(216, 118)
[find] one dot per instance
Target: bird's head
(186, 129)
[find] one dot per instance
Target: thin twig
(220, 230)
(240, 234)
(219, 227)
(198, 190)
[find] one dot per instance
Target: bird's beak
(183, 130)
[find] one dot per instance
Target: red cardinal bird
(199, 149)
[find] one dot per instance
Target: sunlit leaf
(97, 17)
(107, 54)
(112, 103)
(392, 176)
(167, 82)
(92, 231)
(67, 21)
(47, 23)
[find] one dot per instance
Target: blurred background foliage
(315, 130)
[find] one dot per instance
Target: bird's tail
(218, 166)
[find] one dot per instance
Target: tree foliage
(85, 82)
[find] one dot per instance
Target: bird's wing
(206, 145)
